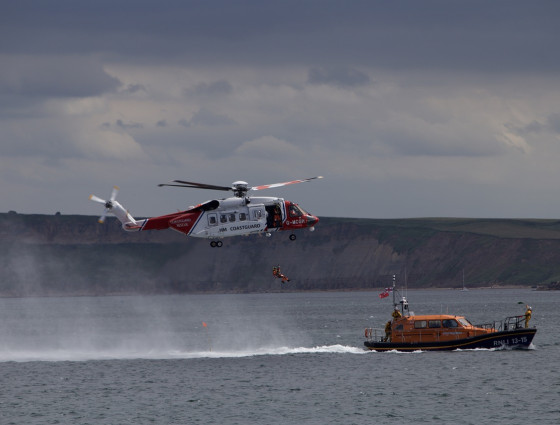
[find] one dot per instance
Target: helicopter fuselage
(221, 218)
(231, 217)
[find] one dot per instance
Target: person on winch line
(276, 272)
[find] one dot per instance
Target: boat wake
(154, 354)
(273, 351)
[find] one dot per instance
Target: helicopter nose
(312, 220)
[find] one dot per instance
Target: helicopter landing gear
(215, 244)
(292, 237)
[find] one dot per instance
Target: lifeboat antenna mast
(403, 302)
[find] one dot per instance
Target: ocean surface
(283, 358)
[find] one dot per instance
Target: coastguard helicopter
(221, 218)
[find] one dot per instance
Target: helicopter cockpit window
(223, 218)
(242, 216)
(295, 210)
(231, 217)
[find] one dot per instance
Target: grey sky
(408, 108)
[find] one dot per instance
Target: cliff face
(73, 255)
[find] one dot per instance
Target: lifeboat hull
(517, 338)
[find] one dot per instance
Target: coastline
(266, 291)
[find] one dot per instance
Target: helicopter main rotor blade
(194, 185)
(270, 186)
(238, 187)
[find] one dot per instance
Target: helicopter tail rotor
(113, 207)
(109, 204)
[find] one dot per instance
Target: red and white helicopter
(220, 218)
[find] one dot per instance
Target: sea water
(281, 358)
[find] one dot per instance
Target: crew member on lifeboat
(528, 313)
(387, 331)
(389, 325)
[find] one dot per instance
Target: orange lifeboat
(408, 332)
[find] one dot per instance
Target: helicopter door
(274, 216)
(257, 213)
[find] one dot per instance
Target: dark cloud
(475, 35)
(216, 88)
(533, 127)
(423, 145)
(207, 118)
(550, 125)
(43, 76)
(134, 88)
(127, 126)
(553, 122)
(342, 77)
(121, 125)
(434, 90)
(184, 123)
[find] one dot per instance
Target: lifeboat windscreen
(464, 321)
